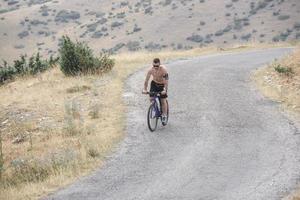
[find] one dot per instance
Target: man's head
(156, 62)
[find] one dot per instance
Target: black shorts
(157, 87)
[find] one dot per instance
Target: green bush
(77, 58)
(33, 66)
(6, 72)
(26, 66)
(284, 70)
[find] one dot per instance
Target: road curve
(225, 141)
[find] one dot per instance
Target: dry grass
(73, 122)
(294, 196)
(282, 85)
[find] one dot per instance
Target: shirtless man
(158, 84)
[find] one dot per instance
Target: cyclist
(158, 84)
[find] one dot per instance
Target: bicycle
(155, 111)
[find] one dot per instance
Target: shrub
(66, 15)
(23, 34)
(6, 73)
(284, 70)
(77, 58)
(133, 45)
(219, 33)
(246, 36)
(93, 152)
(33, 65)
(283, 17)
(25, 66)
(297, 25)
(195, 38)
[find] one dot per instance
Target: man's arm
(166, 80)
(147, 80)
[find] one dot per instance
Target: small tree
(77, 58)
(26, 66)
(20, 65)
(6, 72)
(53, 61)
(69, 61)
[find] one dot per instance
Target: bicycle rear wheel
(152, 118)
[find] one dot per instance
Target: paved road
(225, 141)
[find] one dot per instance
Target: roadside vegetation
(44, 132)
(78, 59)
(60, 124)
(288, 71)
(280, 80)
(25, 66)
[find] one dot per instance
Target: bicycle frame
(155, 110)
(157, 105)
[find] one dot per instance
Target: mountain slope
(31, 25)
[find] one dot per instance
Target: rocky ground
(37, 25)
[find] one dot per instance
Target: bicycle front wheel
(167, 119)
(152, 118)
(167, 111)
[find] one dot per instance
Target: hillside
(115, 26)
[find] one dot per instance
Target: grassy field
(55, 129)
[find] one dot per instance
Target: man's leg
(164, 106)
(164, 111)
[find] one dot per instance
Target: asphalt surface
(224, 140)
